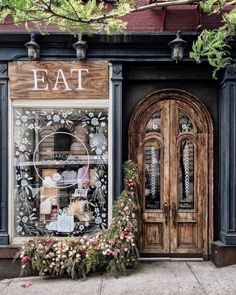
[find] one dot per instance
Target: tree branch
(146, 7)
(68, 1)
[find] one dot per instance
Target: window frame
(53, 103)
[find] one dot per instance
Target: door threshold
(170, 259)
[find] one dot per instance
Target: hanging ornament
(186, 169)
(153, 172)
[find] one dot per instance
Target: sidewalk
(153, 278)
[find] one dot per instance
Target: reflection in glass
(186, 175)
(152, 175)
(185, 123)
(154, 124)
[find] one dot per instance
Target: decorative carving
(117, 69)
(231, 70)
(3, 68)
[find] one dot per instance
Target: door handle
(166, 210)
(174, 212)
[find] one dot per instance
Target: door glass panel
(154, 123)
(186, 175)
(185, 123)
(152, 175)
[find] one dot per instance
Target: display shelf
(83, 160)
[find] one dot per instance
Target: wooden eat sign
(59, 79)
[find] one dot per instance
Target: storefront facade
(67, 127)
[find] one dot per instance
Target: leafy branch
(214, 45)
(76, 15)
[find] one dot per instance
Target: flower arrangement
(113, 249)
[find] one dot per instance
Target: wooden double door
(171, 143)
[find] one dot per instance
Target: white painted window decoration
(60, 170)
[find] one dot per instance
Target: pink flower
(25, 259)
(112, 242)
(40, 247)
(25, 286)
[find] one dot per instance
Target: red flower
(25, 259)
(126, 233)
(49, 242)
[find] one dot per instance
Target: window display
(60, 170)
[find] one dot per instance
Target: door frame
(141, 115)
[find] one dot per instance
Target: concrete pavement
(151, 278)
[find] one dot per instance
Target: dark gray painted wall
(3, 154)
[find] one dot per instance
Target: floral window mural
(185, 123)
(60, 171)
(154, 123)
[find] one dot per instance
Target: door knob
(166, 210)
(174, 212)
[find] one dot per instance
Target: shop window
(60, 171)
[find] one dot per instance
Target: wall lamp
(33, 49)
(177, 47)
(80, 47)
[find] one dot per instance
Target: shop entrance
(170, 138)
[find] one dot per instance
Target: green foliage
(68, 15)
(113, 249)
(213, 45)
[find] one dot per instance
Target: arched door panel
(170, 139)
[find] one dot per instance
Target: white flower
(154, 126)
(98, 151)
(81, 227)
(25, 219)
(184, 126)
(18, 122)
(19, 228)
(25, 140)
(98, 183)
(22, 148)
(56, 118)
(24, 118)
(94, 121)
(98, 220)
(24, 182)
(18, 177)
(103, 124)
(91, 114)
